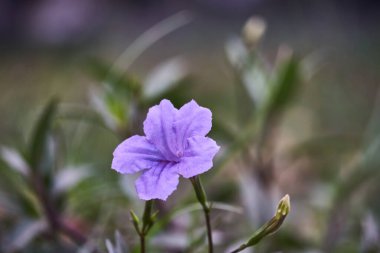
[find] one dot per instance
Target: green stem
(142, 243)
(241, 248)
(147, 217)
(147, 222)
(146, 225)
(209, 230)
(202, 199)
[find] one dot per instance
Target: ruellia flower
(175, 144)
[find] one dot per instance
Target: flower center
(179, 154)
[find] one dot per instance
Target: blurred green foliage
(58, 193)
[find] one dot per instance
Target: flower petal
(134, 154)
(192, 120)
(198, 156)
(158, 182)
(159, 129)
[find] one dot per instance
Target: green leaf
(119, 82)
(14, 187)
(284, 86)
(38, 145)
(118, 107)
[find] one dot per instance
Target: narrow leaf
(14, 160)
(165, 77)
(39, 140)
(285, 85)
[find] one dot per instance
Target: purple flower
(174, 145)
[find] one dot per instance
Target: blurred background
(296, 108)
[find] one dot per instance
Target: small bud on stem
(147, 222)
(135, 221)
(271, 226)
(253, 31)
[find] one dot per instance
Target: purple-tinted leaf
(24, 232)
(69, 177)
(14, 160)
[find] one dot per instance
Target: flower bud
(200, 193)
(135, 220)
(271, 226)
(283, 208)
(253, 31)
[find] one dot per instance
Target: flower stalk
(270, 227)
(202, 199)
(148, 220)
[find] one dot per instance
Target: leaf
(371, 154)
(119, 82)
(110, 247)
(8, 205)
(86, 114)
(118, 106)
(14, 160)
(177, 94)
(24, 232)
(284, 86)
(68, 178)
(242, 63)
(181, 214)
(22, 201)
(164, 77)
(120, 244)
(236, 52)
(99, 105)
(255, 81)
(370, 234)
(215, 206)
(257, 201)
(150, 37)
(373, 127)
(39, 141)
(29, 202)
